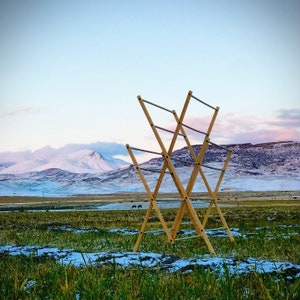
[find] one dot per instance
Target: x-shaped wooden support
(186, 204)
(198, 168)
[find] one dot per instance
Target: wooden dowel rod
(143, 150)
(158, 106)
(203, 102)
(196, 130)
(167, 130)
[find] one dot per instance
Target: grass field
(268, 224)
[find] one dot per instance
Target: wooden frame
(168, 167)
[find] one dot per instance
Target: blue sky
(70, 71)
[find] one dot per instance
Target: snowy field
(144, 205)
(154, 260)
(169, 263)
(126, 205)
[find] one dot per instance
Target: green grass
(40, 278)
(34, 229)
(27, 278)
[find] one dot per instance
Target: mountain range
(95, 169)
(75, 158)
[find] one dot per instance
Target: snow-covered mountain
(260, 167)
(71, 158)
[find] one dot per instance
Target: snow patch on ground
(152, 260)
(169, 263)
(210, 232)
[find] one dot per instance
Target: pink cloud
(25, 110)
(267, 135)
(287, 118)
(232, 128)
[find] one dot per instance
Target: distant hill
(83, 170)
(76, 158)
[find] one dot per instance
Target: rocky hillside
(278, 158)
(267, 166)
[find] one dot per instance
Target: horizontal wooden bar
(145, 150)
(203, 102)
(158, 106)
(168, 130)
(187, 237)
(155, 231)
(196, 130)
(191, 162)
(219, 146)
(209, 167)
(153, 170)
